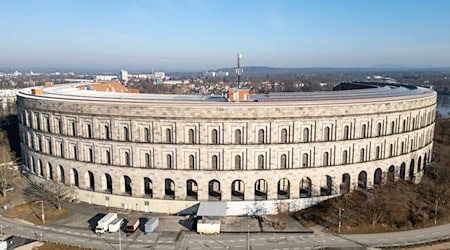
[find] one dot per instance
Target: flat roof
(212, 208)
(384, 92)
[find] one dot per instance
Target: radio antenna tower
(239, 70)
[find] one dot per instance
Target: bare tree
(50, 191)
(7, 172)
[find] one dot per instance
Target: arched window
(127, 159)
(284, 136)
(345, 157)
(41, 168)
(50, 170)
(146, 135)
(62, 176)
(108, 157)
(128, 187)
(237, 162)
(91, 181)
(346, 133)
(89, 130)
(191, 162)
(169, 161)
(191, 136)
(75, 180)
(392, 127)
(362, 155)
(215, 162)
(261, 136)
(261, 164)
(402, 149)
(148, 190)
(364, 131)
(326, 134)
(169, 136)
(126, 134)
(325, 159)
(379, 130)
(306, 135)
(283, 161)
(108, 182)
(147, 160)
(377, 153)
(391, 150)
(404, 126)
(107, 135)
(305, 160)
(237, 136)
(214, 136)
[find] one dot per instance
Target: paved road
(403, 238)
(188, 240)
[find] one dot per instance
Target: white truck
(103, 223)
(114, 226)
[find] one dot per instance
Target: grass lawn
(53, 246)
(31, 212)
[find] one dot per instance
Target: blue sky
(207, 34)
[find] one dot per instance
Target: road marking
(79, 239)
(139, 240)
(62, 237)
(231, 240)
(420, 235)
(19, 228)
(435, 232)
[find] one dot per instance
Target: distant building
(172, 82)
(124, 76)
(215, 74)
(160, 74)
(105, 78)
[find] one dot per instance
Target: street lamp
(248, 236)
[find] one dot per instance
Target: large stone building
(164, 153)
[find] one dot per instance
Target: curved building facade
(164, 153)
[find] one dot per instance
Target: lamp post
(248, 237)
(120, 240)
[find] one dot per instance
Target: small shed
(210, 213)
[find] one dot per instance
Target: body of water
(443, 105)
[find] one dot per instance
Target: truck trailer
(133, 224)
(114, 226)
(103, 223)
(151, 225)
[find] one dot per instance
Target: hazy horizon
(196, 35)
